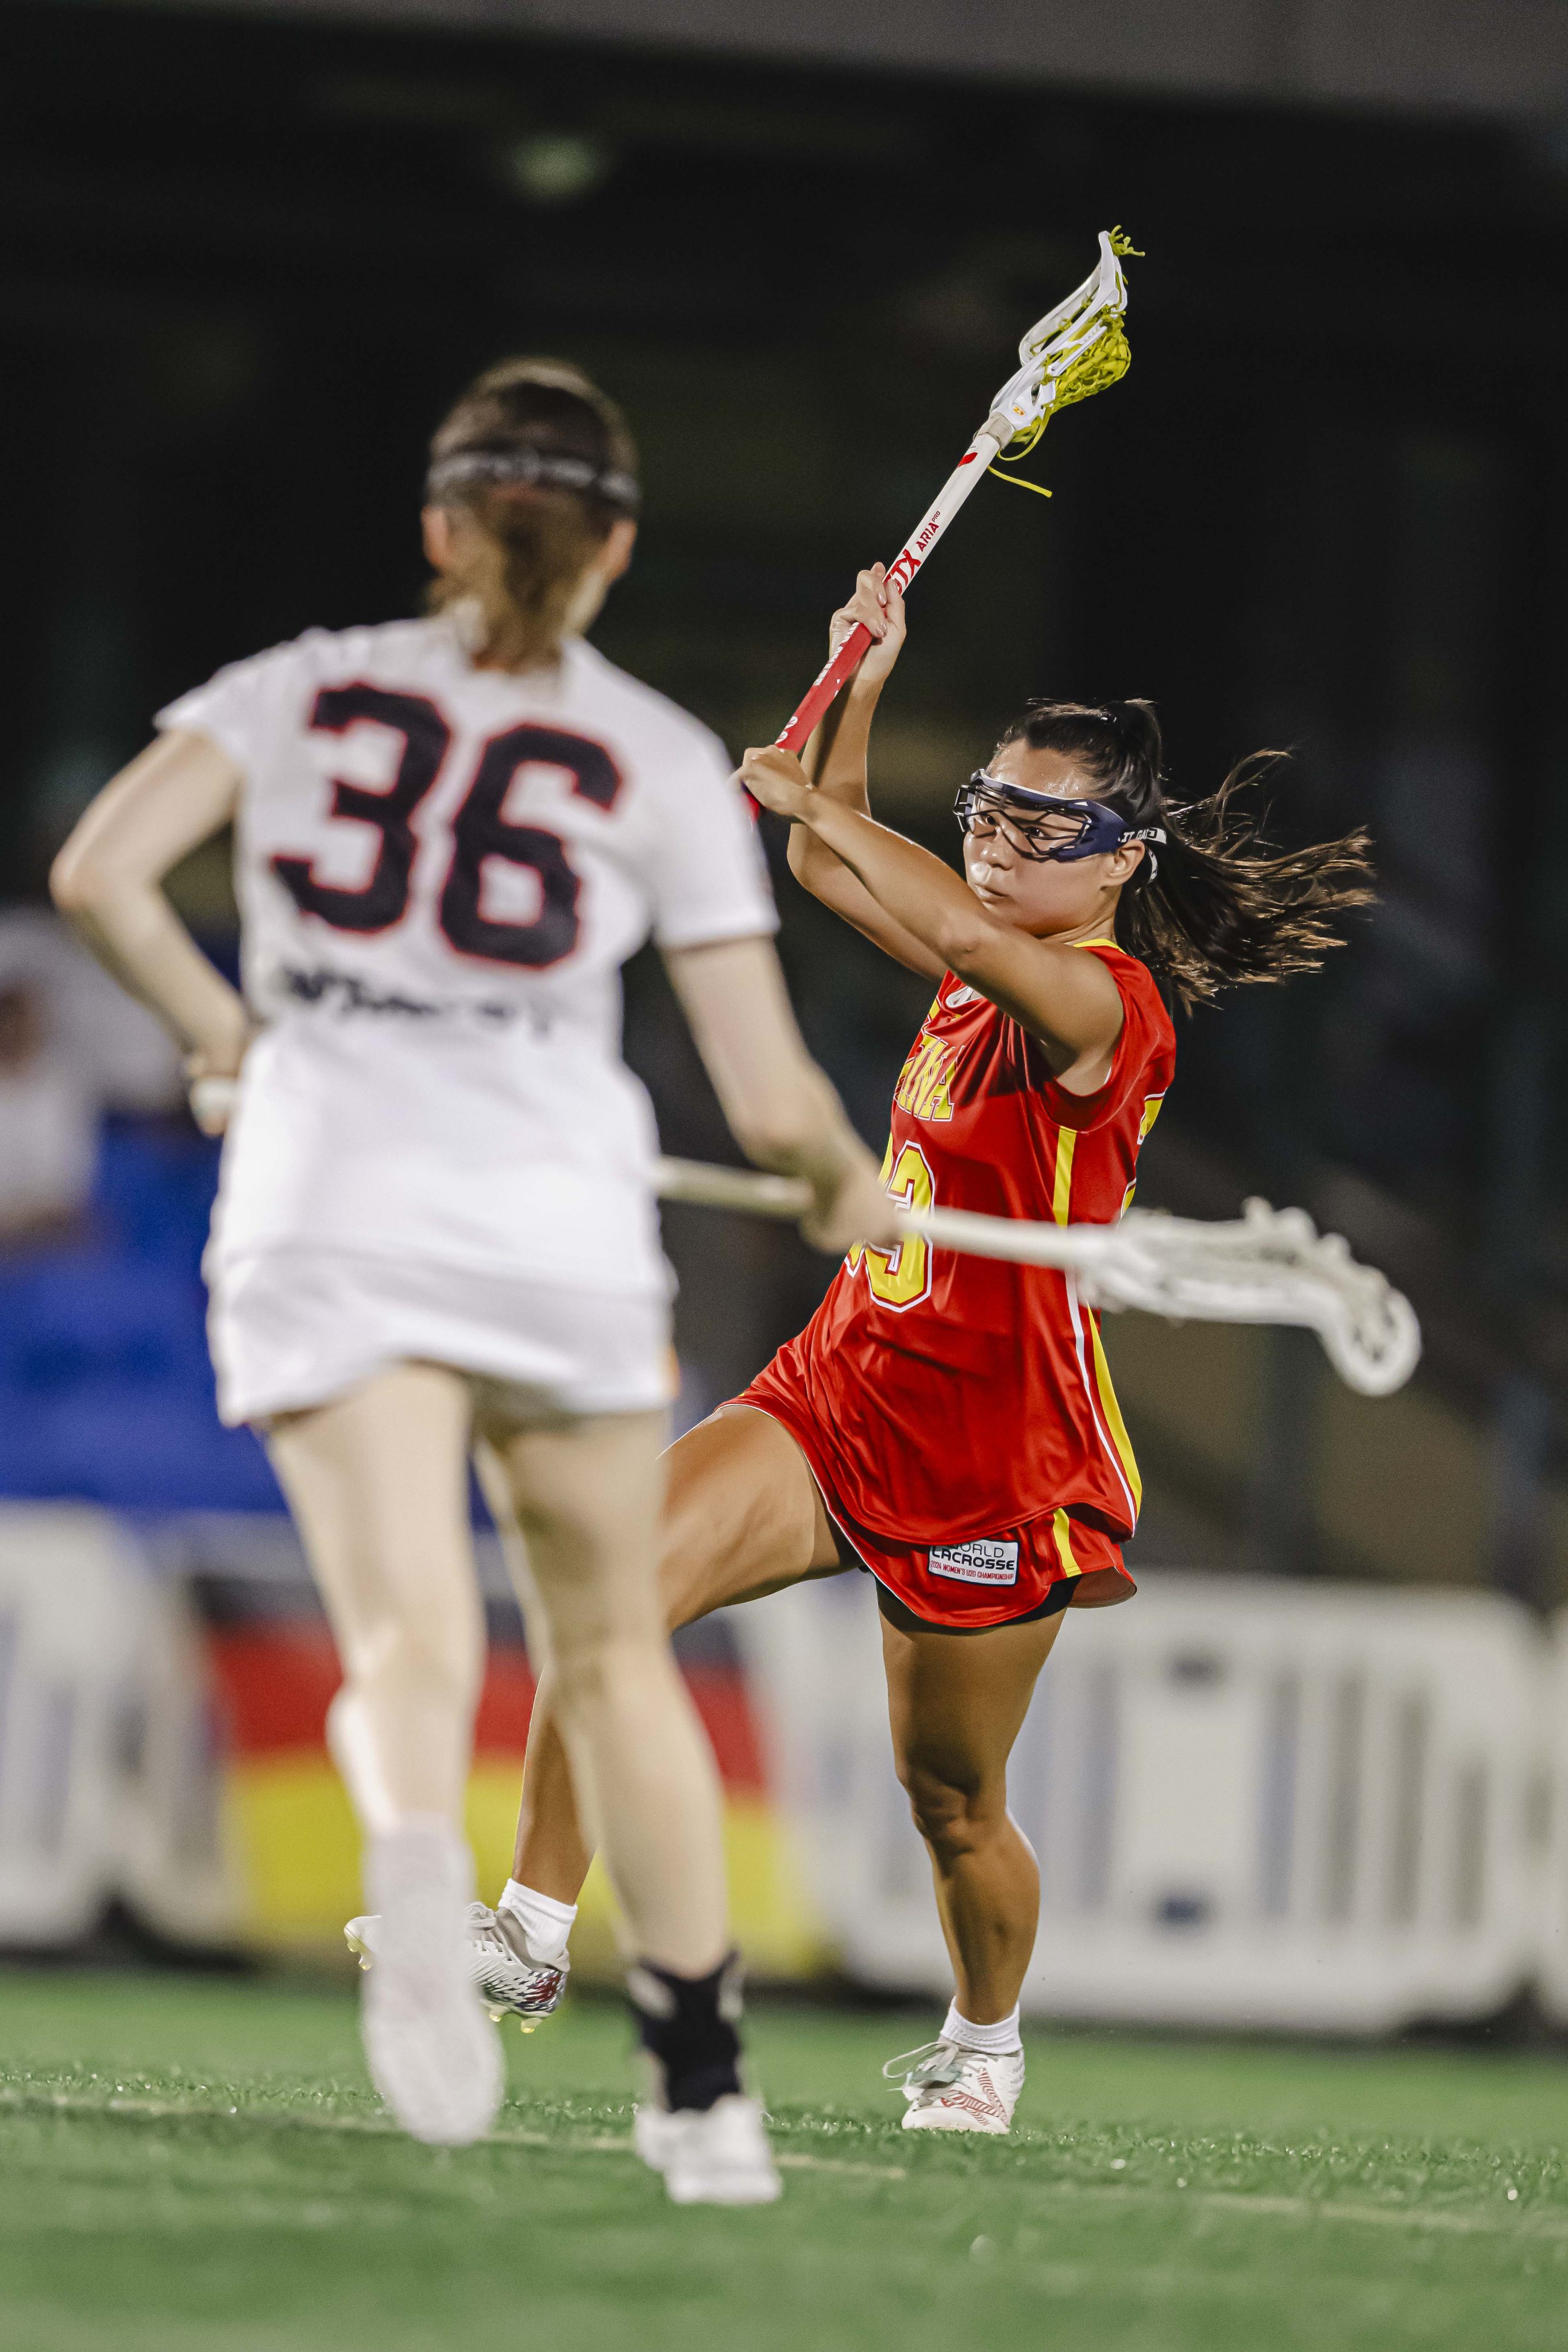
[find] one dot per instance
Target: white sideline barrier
(1255, 1803)
(110, 1777)
(1552, 1972)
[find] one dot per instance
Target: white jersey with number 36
(440, 871)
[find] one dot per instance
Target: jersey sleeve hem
(756, 923)
(1131, 1057)
(173, 719)
(1085, 1111)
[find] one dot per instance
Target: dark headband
(549, 469)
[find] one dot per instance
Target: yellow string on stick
(1018, 483)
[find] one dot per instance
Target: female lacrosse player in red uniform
(949, 1423)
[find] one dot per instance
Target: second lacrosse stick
(1270, 1265)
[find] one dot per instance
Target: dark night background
(243, 264)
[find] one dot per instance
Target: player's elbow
(813, 867)
(79, 884)
(962, 940)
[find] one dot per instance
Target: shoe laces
(931, 2067)
(489, 1929)
(485, 1927)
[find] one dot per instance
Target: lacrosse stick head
(1271, 1265)
(1074, 351)
(1369, 1329)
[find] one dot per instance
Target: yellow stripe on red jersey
(960, 1394)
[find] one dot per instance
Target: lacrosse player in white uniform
(435, 1228)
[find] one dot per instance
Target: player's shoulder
(1137, 983)
(666, 735)
(385, 652)
(380, 651)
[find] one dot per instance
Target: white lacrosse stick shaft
(1052, 344)
(788, 1197)
(1269, 1266)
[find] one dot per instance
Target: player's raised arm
(836, 761)
(1069, 842)
(107, 880)
(1067, 1001)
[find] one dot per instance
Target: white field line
(61, 2103)
(1244, 2204)
(788, 2163)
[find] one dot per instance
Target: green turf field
(193, 2162)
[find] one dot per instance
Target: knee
(607, 1670)
(443, 1658)
(954, 1817)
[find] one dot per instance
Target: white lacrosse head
(1271, 1266)
(1057, 347)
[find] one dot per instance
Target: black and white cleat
(950, 2089)
(507, 1981)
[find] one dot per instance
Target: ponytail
(1216, 905)
(541, 464)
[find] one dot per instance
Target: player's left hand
(212, 1081)
(877, 605)
(856, 1207)
(777, 779)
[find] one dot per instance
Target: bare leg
(743, 1517)
(957, 1702)
(377, 1485)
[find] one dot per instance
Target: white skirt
(291, 1329)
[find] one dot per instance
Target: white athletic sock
(998, 2041)
(545, 1924)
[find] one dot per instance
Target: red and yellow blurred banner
(295, 1844)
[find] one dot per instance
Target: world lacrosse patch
(989, 1559)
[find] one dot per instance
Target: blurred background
(247, 255)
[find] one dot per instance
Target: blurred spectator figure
(48, 1125)
(106, 1391)
(72, 1046)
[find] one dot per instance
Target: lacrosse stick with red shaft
(1075, 349)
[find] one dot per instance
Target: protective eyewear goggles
(1033, 821)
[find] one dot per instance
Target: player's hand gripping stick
(1270, 1265)
(1074, 351)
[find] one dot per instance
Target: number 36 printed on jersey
(478, 829)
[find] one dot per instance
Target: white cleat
(710, 2156)
(509, 1983)
(951, 2089)
(431, 2053)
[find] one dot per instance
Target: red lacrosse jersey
(943, 1398)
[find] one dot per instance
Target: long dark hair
(534, 539)
(1216, 905)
